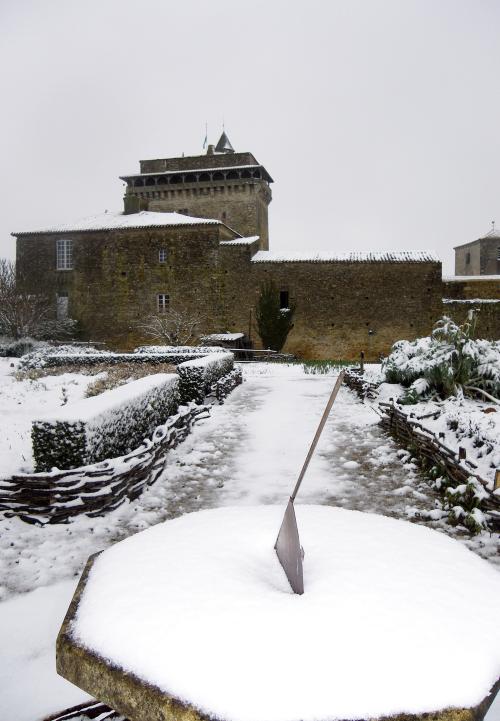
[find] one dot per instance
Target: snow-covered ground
(22, 401)
(249, 452)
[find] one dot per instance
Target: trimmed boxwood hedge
(104, 426)
(197, 376)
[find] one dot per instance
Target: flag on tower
(206, 136)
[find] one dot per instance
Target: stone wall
(462, 295)
(197, 162)
(117, 275)
(341, 308)
(242, 204)
(483, 255)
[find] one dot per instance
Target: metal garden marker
(290, 552)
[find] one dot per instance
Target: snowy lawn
(249, 452)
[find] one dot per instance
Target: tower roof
(224, 145)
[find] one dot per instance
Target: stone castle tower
(225, 185)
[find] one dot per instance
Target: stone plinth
(192, 643)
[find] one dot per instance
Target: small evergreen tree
(273, 322)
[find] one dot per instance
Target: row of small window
(64, 254)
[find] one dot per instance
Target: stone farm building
(194, 236)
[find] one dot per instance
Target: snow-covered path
(250, 451)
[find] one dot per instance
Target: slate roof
(118, 220)
(389, 256)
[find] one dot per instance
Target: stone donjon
(232, 187)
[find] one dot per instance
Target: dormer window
(64, 254)
(162, 255)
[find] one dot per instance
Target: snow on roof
(116, 220)
(224, 336)
(388, 256)
(461, 278)
(189, 605)
(241, 241)
(471, 300)
(188, 171)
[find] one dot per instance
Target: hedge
(197, 376)
(183, 349)
(104, 426)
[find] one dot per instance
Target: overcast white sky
(379, 120)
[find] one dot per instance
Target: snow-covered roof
(241, 241)
(188, 171)
(224, 336)
(388, 256)
(473, 301)
(116, 220)
(461, 278)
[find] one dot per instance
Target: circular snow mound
(394, 618)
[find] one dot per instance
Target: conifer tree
(273, 322)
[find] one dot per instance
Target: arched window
(150, 181)
(218, 175)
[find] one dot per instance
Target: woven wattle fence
(94, 490)
(354, 380)
(424, 443)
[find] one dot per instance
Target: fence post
(362, 361)
(461, 453)
(496, 482)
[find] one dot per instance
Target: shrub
(104, 426)
(198, 375)
(274, 323)
(449, 362)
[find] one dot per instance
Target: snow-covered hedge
(15, 348)
(52, 360)
(198, 375)
(181, 349)
(448, 362)
(106, 425)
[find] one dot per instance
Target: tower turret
(233, 187)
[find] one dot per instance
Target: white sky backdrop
(379, 120)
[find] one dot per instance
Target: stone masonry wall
(475, 289)
(338, 304)
(117, 275)
(342, 308)
(473, 267)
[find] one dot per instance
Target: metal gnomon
(287, 546)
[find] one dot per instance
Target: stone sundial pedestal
(195, 619)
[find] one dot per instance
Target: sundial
(194, 619)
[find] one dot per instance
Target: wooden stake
(496, 482)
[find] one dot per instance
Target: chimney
(210, 150)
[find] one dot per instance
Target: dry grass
(116, 374)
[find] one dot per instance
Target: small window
(284, 299)
(62, 305)
(162, 302)
(467, 258)
(162, 255)
(64, 251)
